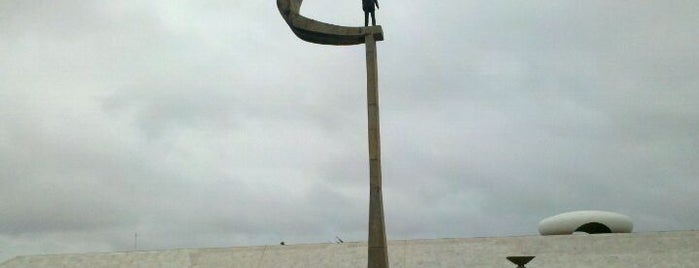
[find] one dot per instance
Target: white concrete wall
(663, 249)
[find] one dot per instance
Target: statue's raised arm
(324, 33)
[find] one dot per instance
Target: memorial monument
(328, 34)
(368, 7)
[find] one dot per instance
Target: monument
(328, 34)
(368, 7)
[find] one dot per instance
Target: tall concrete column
(329, 34)
(378, 251)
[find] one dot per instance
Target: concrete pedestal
(378, 256)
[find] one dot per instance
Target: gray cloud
(209, 124)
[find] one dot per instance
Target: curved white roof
(589, 221)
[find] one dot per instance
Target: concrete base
(661, 249)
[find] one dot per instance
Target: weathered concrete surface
(324, 33)
(661, 249)
(378, 253)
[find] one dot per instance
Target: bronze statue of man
(368, 6)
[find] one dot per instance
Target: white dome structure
(588, 221)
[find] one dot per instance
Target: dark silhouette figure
(368, 6)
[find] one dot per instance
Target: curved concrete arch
(323, 33)
(589, 221)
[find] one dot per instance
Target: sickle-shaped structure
(324, 33)
(328, 34)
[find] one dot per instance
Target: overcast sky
(209, 124)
